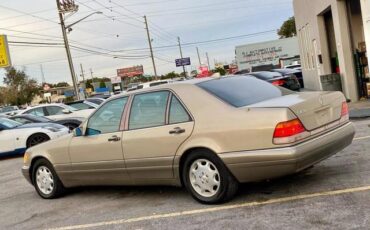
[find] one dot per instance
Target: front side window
(108, 118)
(148, 110)
(178, 113)
(54, 110)
(36, 112)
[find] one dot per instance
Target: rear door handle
(114, 138)
(177, 130)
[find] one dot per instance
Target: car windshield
(242, 91)
(9, 124)
(40, 119)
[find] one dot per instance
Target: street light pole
(69, 56)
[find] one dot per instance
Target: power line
(110, 17)
(205, 41)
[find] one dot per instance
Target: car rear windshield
(242, 91)
(266, 75)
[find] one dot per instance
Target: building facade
(334, 37)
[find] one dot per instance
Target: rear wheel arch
(34, 134)
(189, 152)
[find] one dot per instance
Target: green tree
(102, 84)
(222, 71)
(62, 84)
(20, 89)
(171, 75)
(288, 29)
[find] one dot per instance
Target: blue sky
(192, 20)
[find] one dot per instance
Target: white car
(57, 111)
(15, 137)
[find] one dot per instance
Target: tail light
(344, 109)
(344, 113)
(278, 82)
(288, 132)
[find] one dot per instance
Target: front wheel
(46, 181)
(207, 178)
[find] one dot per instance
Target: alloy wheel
(204, 177)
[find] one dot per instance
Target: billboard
(266, 53)
(182, 62)
(131, 71)
(4, 52)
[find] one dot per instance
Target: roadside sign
(182, 62)
(115, 80)
(4, 52)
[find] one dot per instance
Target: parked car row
(288, 78)
(37, 124)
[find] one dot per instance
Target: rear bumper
(257, 165)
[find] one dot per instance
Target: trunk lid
(314, 109)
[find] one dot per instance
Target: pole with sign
(4, 52)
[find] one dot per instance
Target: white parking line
(215, 209)
(361, 138)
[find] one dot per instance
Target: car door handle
(177, 130)
(114, 138)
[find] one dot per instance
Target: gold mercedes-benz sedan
(208, 135)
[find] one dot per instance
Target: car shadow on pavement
(256, 191)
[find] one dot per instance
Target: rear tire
(46, 181)
(36, 139)
(207, 179)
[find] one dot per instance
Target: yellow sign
(4, 52)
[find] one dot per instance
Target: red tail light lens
(289, 128)
(344, 109)
(278, 82)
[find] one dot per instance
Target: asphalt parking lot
(335, 194)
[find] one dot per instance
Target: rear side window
(240, 91)
(54, 110)
(178, 113)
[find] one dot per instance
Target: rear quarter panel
(224, 128)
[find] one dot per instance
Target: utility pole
(209, 66)
(82, 73)
(150, 46)
(183, 67)
(91, 74)
(200, 63)
(66, 44)
(42, 74)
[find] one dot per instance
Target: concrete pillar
(345, 52)
(365, 8)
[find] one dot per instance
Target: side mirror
(78, 132)
(66, 111)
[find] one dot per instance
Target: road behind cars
(21, 208)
